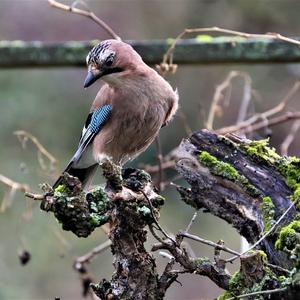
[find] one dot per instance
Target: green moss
(158, 201)
(60, 189)
(238, 284)
(78, 212)
(268, 212)
(295, 256)
(289, 237)
(170, 41)
(225, 296)
(145, 211)
(288, 167)
(260, 150)
(204, 38)
(225, 170)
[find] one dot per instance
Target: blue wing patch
(93, 125)
(99, 116)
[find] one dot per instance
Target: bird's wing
(95, 121)
(93, 125)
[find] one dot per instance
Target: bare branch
(290, 138)
(154, 169)
(86, 13)
(265, 235)
(218, 96)
(247, 93)
(90, 255)
(160, 161)
(24, 136)
(261, 116)
(207, 242)
(258, 293)
(154, 218)
(13, 187)
(271, 122)
(191, 222)
(274, 36)
(33, 196)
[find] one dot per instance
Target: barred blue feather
(93, 125)
(99, 116)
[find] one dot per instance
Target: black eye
(109, 61)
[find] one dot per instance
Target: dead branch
(271, 230)
(91, 255)
(86, 13)
(168, 57)
(289, 138)
(207, 242)
(24, 136)
(288, 116)
(218, 96)
(241, 126)
(13, 187)
(267, 292)
(237, 202)
(23, 187)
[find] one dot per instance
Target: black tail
(85, 175)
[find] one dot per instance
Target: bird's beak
(92, 76)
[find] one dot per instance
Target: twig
(155, 220)
(278, 268)
(24, 136)
(290, 138)
(275, 36)
(218, 96)
(191, 222)
(13, 187)
(184, 122)
(207, 242)
(151, 228)
(33, 196)
(154, 169)
(86, 13)
(166, 255)
(265, 115)
(258, 293)
(90, 255)
(247, 93)
(217, 255)
(265, 235)
(271, 122)
(160, 161)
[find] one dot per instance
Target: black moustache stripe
(108, 71)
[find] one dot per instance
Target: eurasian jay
(128, 112)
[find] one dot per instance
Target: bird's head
(109, 60)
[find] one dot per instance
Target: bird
(129, 110)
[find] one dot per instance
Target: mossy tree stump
(247, 184)
(243, 182)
